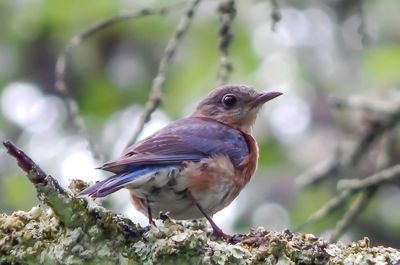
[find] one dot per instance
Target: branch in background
(321, 171)
(276, 15)
(377, 179)
(365, 104)
(344, 159)
(61, 63)
(156, 92)
(390, 115)
(60, 85)
(348, 188)
(331, 206)
(227, 13)
(367, 192)
(362, 28)
(353, 212)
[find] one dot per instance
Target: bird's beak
(265, 96)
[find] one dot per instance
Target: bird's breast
(214, 182)
(248, 166)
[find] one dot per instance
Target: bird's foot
(236, 238)
(218, 233)
(253, 238)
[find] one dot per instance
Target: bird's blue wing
(118, 181)
(189, 139)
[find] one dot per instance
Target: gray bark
(70, 230)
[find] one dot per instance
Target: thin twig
(350, 158)
(368, 189)
(156, 92)
(227, 11)
(276, 15)
(322, 170)
(374, 132)
(379, 178)
(354, 211)
(329, 207)
(350, 187)
(49, 191)
(72, 212)
(36, 174)
(61, 64)
(362, 29)
(365, 104)
(61, 86)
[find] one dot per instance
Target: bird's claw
(218, 233)
(236, 238)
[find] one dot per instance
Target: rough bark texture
(39, 237)
(72, 230)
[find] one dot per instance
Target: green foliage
(18, 192)
(99, 98)
(383, 65)
(271, 154)
(309, 201)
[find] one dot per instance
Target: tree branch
(156, 92)
(379, 178)
(76, 232)
(61, 64)
(276, 15)
(227, 13)
(353, 212)
(347, 158)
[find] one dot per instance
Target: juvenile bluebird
(195, 166)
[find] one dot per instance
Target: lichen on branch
(71, 230)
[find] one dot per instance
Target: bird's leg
(216, 230)
(149, 215)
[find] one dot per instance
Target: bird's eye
(229, 100)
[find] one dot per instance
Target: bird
(195, 166)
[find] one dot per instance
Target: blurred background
(318, 50)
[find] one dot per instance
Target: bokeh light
(315, 51)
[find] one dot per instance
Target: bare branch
(323, 170)
(156, 92)
(71, 211)
(354, 211)
(276, 15)
(345, 159)
(60, 69)
(329, 207)
(61, 86)
(379, 178)
(350, 187)
(365, 104)
(36, 174)
(362, 29)
(227, 13)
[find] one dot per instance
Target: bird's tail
(116, 182)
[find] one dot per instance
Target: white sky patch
(290, 118)
(25, 105)
(78, 162)
(272, 216)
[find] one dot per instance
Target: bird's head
(234, 105)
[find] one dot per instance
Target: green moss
(93, 235)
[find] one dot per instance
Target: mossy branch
(70, 230)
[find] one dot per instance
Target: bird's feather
(133, 179)
(189, 139)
